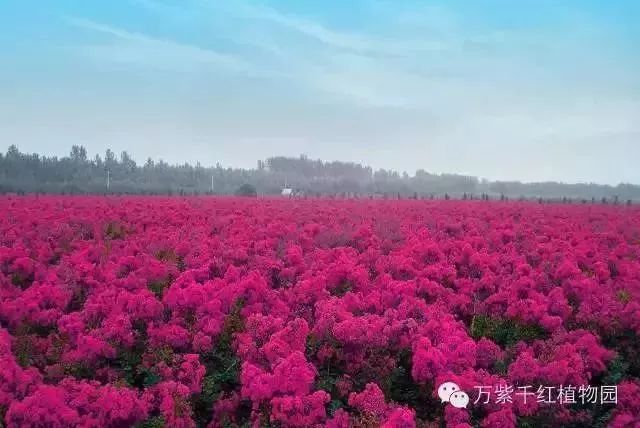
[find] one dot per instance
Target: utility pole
(212, 184)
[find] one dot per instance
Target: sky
(528, 90)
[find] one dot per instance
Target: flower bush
(195, 312)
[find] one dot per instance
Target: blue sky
(529, 90)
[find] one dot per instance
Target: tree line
(78, 174)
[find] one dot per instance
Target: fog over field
(528, 90)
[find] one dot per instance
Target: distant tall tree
(127, 163)
(109, 158)
(13, 152)
(75, 173)
(78, 153)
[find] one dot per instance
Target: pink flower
(503, 418)
(44, 408)
(371, 400)
(428, 361)
(400, 417)
(300, 411)
(217, 311)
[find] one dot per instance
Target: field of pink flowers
(182, 312)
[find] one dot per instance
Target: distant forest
(78, 174)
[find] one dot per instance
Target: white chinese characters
(450, 392)
(564, 394)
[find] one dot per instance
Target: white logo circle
(446, 389)
(459, 399)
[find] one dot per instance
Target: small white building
(288, 192)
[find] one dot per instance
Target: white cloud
(358, 69)
(502, 103)
(360, 43)
(138, 48)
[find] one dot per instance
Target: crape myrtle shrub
(183, 312)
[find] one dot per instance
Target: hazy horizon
(140, 163)
(529, 91)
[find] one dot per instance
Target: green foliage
(500, 367)
(275, 279)
(341, 289)
(153, 422)
(23, 349)
(328, 374)
(22, 281)
(505, 332)
(149, 378)
(78, 370)
(79, 297)
(158, 286)
(311, 347)
(334, 406)
(24, 346)
(598, 414)
(623, 296)
(114, 230)
(400, 388)
(617, 371)
(222, 366)
(544, 417)
(602, 421)
(129, 360)
(627, 345)
(528, 422)
(168, 255)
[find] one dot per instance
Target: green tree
(247, 190)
